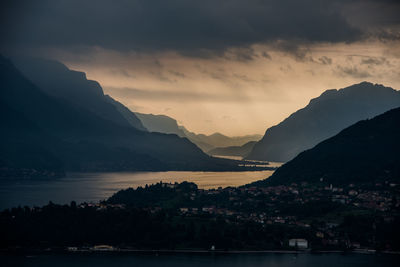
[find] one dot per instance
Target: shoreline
(186, 251)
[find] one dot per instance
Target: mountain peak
(357, 90)
(322, 118)
(217, 134)
(57, 80)
(367, 151)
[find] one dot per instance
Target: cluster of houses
(238, 204)
(381, 198)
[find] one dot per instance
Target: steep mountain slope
(55, 79)
(131, 117)
(68, 137)
(160, 124)
(241, 151)
(195, 138)
(58, 131)
(367, 151)
(322, 118)
(165, 124)
(219, 140)
(24, 148)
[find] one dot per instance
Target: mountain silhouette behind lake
(322, 118)
(166, 124)
(55, 79)
(239, 151)
(46, 134)
(365, 152)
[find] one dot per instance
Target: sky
(235, 67)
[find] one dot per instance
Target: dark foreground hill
(322, 118)
(44, 135)
(367, 151)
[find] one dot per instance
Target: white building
(103, 248)
(298, 243)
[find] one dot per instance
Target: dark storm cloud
(177, 74)
(266, 55)
(374, 61)
(161, 77)
(194, 28)
(122, 72)
(352, 71)
(324, 60)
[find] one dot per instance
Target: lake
(92, 187)
(199, 260)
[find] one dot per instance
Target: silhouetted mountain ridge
(45, 134)
(240, 151)
(160, 124)
(131, 117)
(365, 152)
(55, 79)
(322, 118)
(166, 124)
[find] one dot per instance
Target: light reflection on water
(256, 163)
(92, 187)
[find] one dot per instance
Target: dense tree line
(150, 218)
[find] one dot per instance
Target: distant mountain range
(160, 124)
(219, 140)
(68, 124)
(165, 124)
(239, 151)
(322, 118)
(368, 151)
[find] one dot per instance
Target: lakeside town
(180, 216)
(272, 206)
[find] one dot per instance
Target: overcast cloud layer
(193, 27)
(234, 66)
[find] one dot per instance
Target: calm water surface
(198, 260)
(92, 187)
